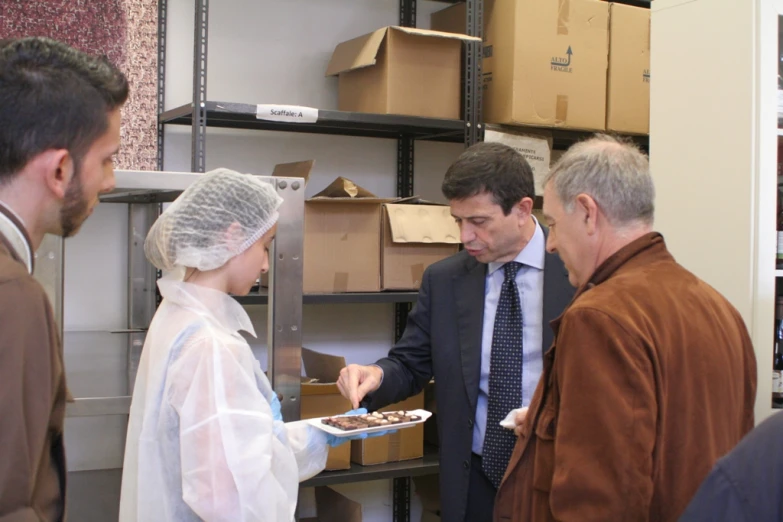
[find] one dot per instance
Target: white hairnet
(216, 218)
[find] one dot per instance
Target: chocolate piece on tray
(369, 420)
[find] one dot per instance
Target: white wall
(260, 51)
(713, 152)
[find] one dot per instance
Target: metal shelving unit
(243, 116)
(428, 465)
(284, 366)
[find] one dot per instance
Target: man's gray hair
(614, 172)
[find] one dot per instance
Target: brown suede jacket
(650, 379)
(33, 395)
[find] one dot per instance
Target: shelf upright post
(473, 113)
(401, 489)
(284, 331)
(142, 284)
(408, 13)
(199, 126)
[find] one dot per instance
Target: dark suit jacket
(744, 485)
(442, 339)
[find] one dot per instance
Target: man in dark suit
(480, 327)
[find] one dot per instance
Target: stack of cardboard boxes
(355, 241)
(577, 64)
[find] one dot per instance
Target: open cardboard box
(375, 72)
(427, 488)
(405, 444)
(331, 506)
(357, 242)
(416, 234)
(321, 398)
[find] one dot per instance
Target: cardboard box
(544, 63)
(628, 85)
(453, 19)
(536, 148)
(331, 506)
(356, 242)
(376, 72)
(406, 444)
(342, 242)
(427, 488)
(321, 398)
(415, 235)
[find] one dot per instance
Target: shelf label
(287, 113)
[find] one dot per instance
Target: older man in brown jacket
(651, 376)
(59, 129)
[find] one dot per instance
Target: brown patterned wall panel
(123, 30)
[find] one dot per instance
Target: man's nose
(109, 183)
(550, 244)
(466, 233)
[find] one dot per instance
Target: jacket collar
(209, 303)
(641, 250)
(12, 229)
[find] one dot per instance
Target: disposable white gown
(202, 443)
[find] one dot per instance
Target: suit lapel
(469, 293)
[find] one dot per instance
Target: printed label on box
(536, 151)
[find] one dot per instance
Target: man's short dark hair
(494, 168)
(52, 97)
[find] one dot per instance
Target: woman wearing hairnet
(205, 437)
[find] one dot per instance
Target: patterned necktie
(505, 377)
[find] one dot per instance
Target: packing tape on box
(417, 272)
(340, 282)
(563, 16)
(561, 108)
(394, 446)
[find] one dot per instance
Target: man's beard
(75, 207)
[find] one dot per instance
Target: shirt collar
(13, 228)
(207, 302)
(532, 254)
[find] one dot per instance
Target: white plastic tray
(423, 414)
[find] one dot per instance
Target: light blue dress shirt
(530, 284)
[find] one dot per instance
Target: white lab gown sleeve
(238, 464)
(309, 447)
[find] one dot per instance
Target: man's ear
(588, 209)
(58, 170)
(525, 208)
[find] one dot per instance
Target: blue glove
(333, 441)
(276, 408)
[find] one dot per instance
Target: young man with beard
(59, 131)
(480, 328)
